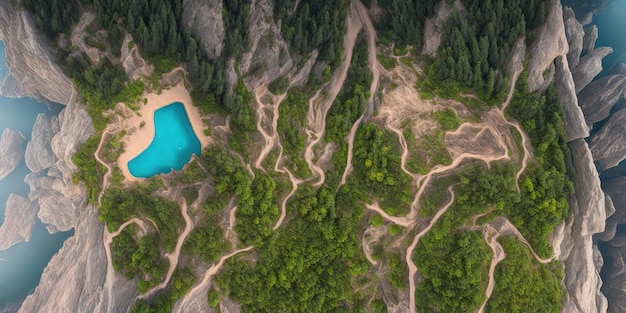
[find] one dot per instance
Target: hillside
(411, 156)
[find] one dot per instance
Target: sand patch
(139, 137)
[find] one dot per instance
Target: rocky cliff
(204, 18)
(11, 151)
(33, 70)
(550, 43)
(39, 155)
(599, 97)
(74, 280)
(573, 240)
(20, 216)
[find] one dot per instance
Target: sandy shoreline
(139, 138)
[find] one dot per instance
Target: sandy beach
(139, 138)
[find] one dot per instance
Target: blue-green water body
(172, 146)
(611, 25)
(21, 266)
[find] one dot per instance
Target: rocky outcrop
(74, 280)
(573, 239)
(20, 217)
(134, 66)
(550, 43)
(608, 145)
(33, 70)
(597, 99)
(433, 27)
(589, 66)
(268, 57)
(11, 151)
(614, 272)
(590, 38)
(574, 122)
(574, 33)
(39, 153)
(204, 18)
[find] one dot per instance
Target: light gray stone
(574, 122)
(550, 43)
(11, 151)
(20, 217)
(574, 33)
(599, 97)
(39, 154)
(204, 18)
(609, 145)
(589, 67)
(34, 72)
(266, 47)
(590, 38)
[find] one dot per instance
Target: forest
(315, 262)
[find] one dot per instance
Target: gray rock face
(590, 38)
(574, 123)
(33, 71)
(204, 18)
(608, 145)
(11, 151)
(550, 43)
(597, 99)
(20, 217)
(74, 280)
(133, 64)
(271, 56)
(614, 273)
(39, 155)
(589, 66)
(433, 27)
(574, 33)
(573, 240)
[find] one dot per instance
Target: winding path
(321, 102)
(202, 288)
(375, 69)
(409, 250)
(174, 256)
(107, 242)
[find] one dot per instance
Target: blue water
(21, 266)
(172, 146)
(611, 24)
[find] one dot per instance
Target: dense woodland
(314, 262)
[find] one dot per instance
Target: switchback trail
(202, 288)
(174, 256)
(321, 102)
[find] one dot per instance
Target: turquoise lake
(172, 146)
(21, 266)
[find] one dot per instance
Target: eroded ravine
(409, 250)
(321, 102)
(374, 66)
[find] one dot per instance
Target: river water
(611, 25)
(21, 266)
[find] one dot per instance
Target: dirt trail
(374, 68)
(409, 250)
(202, 288)
(318, 108)
(525, 140)
(107, 176)
(174, 256)
(498, 256)
(271, 136)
